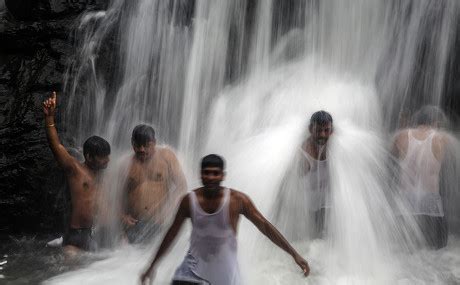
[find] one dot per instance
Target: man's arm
(399, 145)
(64, 159)
(250, 211)
(182, 214)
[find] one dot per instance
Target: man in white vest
(214, 211)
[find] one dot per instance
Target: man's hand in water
(128, 220)
(303, 264)
(147, 276)
(49, 105)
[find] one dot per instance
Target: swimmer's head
(143, 142)
(212, 171)
(320, 127)
(97, 152)
(429, 116)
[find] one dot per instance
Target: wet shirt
(212, 257)
(317, 183)
(420, 177)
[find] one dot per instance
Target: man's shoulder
(166, 152)
(164, 149)
(238, 195)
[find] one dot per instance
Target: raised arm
(182, 214)
(264, 226)
(64, 159)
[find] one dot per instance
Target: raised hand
(49, 105)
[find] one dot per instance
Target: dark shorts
(434, 229)
(81, 238)
(143, 232)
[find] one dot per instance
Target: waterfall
(241, 78)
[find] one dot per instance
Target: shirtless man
(315, 166)
(420, 151)
(83, 180)
(154, 186)
(215, 212)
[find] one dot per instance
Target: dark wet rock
(30, 10)
(33, 59)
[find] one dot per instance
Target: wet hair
(142, 135)
(320, 118)
(212, 160)
(96, 146)
(429, 115)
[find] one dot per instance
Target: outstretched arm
(251, 212)
(182, 214)
(64, 159)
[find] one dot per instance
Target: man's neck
(94, 173)
(211, 193)
(316, 151)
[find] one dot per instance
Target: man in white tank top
(315, 167)
(420, 151)
(214, 212)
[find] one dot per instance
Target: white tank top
(420, 177)
(317, 182)
(212, 257)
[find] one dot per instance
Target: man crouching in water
(83, 180)
(154, 186)
(214, 211)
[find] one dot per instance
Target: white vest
(212, 257)
(420, 177)
(317, 182)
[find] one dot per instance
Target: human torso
(147, 185)
(316, 179)
(83, 190)
(420, 171)
(213, 246)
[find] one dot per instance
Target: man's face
(144, 152)
(320, 133)
(211, 177)
(98, 162)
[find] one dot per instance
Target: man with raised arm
(215, 211)
(83, 180)
(154, 186)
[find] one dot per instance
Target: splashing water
(240, 78)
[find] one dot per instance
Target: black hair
(429, 115)
(320, 118)
(142, 135)
(212, 160)
(96, 146)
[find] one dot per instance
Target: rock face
(30, 10)
(33, 58)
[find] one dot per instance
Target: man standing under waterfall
(315, 167)
(215, 211)
(421, 152)
(83, 180)
(154, 185)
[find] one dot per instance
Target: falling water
(241, 78)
